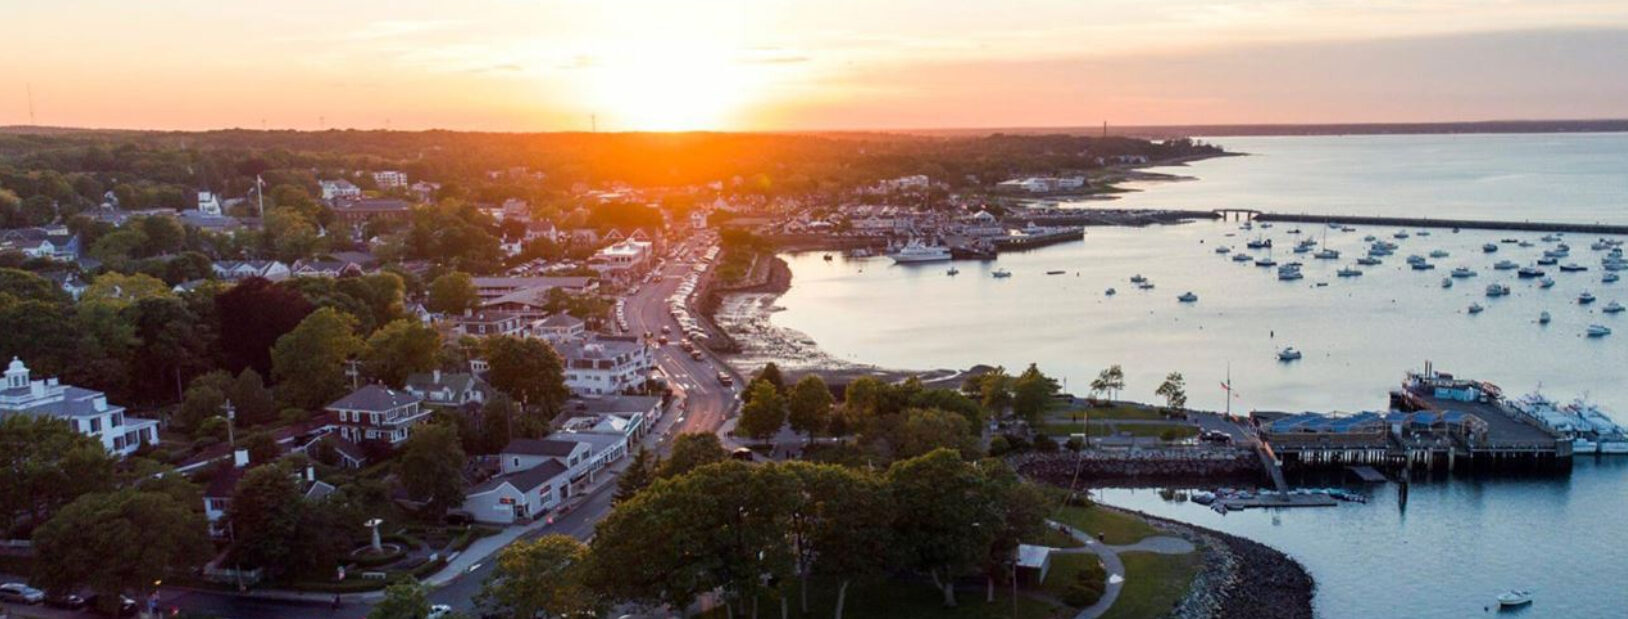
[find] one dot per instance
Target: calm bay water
(1578, 178)
(1458, 542)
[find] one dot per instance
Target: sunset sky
(542, 65)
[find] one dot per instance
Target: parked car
(20, 593)
(126, 606)
(68, 601)
(438, 611)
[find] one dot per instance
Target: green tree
(452, 294)
(771, 373)
(808, 406)
(540, 577)
(117, 290)
(47, 464)
(309, 362)
(431, 467)
(1022, 508)
(927, 430)
(1032, 393)
(1109, 381)
(496, 423)
(527, 370)
(262, 447)
(995, 390)
(638, 475)
(119, 541)
(399, 349)
(691, 451)
(840, 527)
(265, 517)
(291, 236)
(944, 522)
(1173, 390)
(202, 402)
(764, 412)
(27, 286)
(403, 600)
(253, 401)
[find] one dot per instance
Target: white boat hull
(1613, 447)
(899, 259)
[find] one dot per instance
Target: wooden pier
(1420, 222)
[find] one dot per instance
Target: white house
(209, 203)
(390, 179)
(235, 270)
(448, 388)
(377, 413)
(86, 410)
(559, 327)
(340, 189)
(523, 494)
(524, 453)
(621, 258)
(604, 364)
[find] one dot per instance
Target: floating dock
(1420, 222)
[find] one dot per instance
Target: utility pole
(231, 420)
(355, 374)
(260, 197)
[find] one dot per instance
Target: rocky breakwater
(1241, 579)
(1140, 467)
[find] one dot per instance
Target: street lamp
(231, 417)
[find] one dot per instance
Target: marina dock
(1420, 222)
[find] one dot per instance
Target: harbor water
(1457, 543)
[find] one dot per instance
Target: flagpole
(1229, 391)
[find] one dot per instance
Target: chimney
(240, 458)
(468, 312)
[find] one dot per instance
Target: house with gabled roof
(85, 410)
(378, 413)
(448, 388)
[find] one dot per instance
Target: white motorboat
(1349, 272)
(1289, 272)
(1489, 248)
(1288, 354)
(1543, 318)
(1497, 290)
(1475, 308)
(1001, 273)
(1598, 330)
(1400, 234)
(916, 251)
(1446, 282)
(1610, 278)
(1548, 261)
(1266, 262)
(1462, 272)
(1547, 282)
(1585, 298)
(1506, 265)
(1223, 249)
(1572, 267)
(1514, 597)
(1612, 308)
(1259, 243)
(1440, 253)
(1529, 272)
(1187, 297)
(1327, 254)
(1368, 261)
(1111, 292)
(1241, 258)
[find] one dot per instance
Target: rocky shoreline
(1240, 578)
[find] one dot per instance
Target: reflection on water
(1460, 542)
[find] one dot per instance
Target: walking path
(1111, 564)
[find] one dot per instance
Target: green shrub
(998, 446)
(1088, 586)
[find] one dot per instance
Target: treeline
(767, 534)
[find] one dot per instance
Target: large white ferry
(1612, 438)
(915, 251)
(1592, 431)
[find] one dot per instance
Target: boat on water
(1548, 261)
(1259, 243)
(1368, 261)
(1598, 331)
(858, 252)
(1054, 272)
(1497, 290)
(1289, 353)
(1001, 273)
(1289, 272)
(1266, 261)
(1525, 244)
(1489, 248)
(1145, 286)
(1551, 238)
(916, 252)
(1610, 278)
(1506, 265)
(1187, 297)
(1446, 282)
(1349, 272)
(1400, 234)
(1475, 308)
(1223, 249)
(1572, 267)
(1608, 436)
(1440, 253)
(1543, 318)
(1612, 308)
(1241, 258)
(1138, 278)
(1529, 272)
(827, 257)
(1422, 233)
(1462, 272)
(1327, 254)
(1422, 266)
(1547, 282)
(953, 271)
(1110, 292)
(1585, 298)
(1508, 241)
(1514, 597)
(1368, 239)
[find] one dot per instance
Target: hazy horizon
(795, 65)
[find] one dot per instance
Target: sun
(664, 84)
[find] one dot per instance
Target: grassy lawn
(1154, 583)
(1061, 430)
(906, 599)
(1117, 529)
(1065, 568)
(1117, 411)
(1052, 538)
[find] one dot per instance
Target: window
(118, 420)
(95, 424)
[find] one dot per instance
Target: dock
(1367, 474)
(1421, 222)
(1281, 500)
